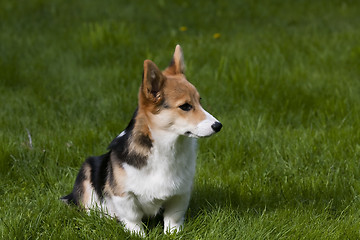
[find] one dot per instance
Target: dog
(151, 164)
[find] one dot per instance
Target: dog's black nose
(216, 126)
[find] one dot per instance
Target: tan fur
(179, 91)
(86, 195)
(177, 65)
(140, 129)
(119, 178)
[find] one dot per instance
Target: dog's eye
(186, 107)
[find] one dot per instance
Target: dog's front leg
(174, 212)
(127, 211)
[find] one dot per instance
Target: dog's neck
(171, 148)
(165, 139)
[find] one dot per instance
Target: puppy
(151, 164)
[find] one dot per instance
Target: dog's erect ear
(177, 65)
(153, 81)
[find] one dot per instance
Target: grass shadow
(209, 197)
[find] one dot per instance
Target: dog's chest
(169, 171)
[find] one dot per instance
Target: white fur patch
(122, 134)
(204, 129)
(170, 168)
(127, 210)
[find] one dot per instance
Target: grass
(282, 76)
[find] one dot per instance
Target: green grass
(284, 79)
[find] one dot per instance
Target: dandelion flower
(183, 28)
(216, 35)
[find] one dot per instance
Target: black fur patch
(144, 141)
(99, 172)
(133, 159)
(120, 146)
(69, 199)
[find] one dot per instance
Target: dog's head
(172, 103)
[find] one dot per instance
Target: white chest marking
(169, 171)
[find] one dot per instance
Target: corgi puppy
(151, 164)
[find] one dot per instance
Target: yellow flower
(216, 35)
(183, 28)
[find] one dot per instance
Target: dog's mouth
(190, 134)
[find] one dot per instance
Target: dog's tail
(68, 199)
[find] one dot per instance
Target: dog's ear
(153, 81)
(177, 65)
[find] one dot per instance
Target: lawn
(282, 76)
